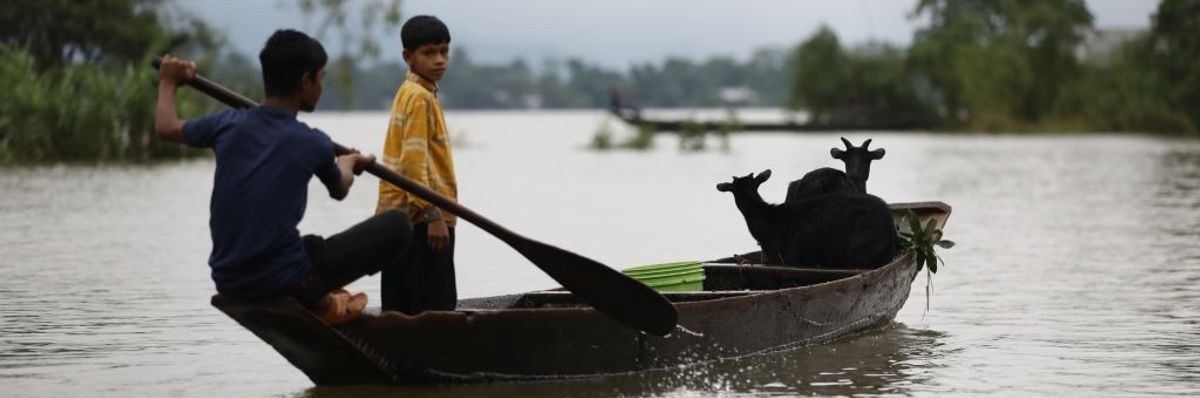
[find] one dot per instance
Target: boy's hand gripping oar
(609, 291)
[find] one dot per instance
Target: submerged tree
(870, 84)
(1175, 43)
(820, 75)
(999, 58)
(59, 32)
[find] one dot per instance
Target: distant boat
(742, 310)
(633, 116)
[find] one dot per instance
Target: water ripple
(1072, 276)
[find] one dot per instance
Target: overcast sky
(616, 33)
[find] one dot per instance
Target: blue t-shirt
(265, 160)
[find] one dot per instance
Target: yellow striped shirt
(418, 146)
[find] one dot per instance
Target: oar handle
(235, 100)
(609, 291)
(435, 198)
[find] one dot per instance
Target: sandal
(344, 307)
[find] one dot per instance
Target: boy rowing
(265, 160)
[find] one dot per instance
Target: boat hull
(744, 310)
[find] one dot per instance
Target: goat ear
(724, 187)
(837, 153)
(847, 142)
(876, 154)
(762, 177)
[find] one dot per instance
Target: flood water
(1077, 270)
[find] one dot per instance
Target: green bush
(80, 112)
(642, 139)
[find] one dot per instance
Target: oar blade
(609, 291)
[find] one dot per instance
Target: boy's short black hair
(423, 29)
(286, 57)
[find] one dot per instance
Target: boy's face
(429, 60)
(311, 89)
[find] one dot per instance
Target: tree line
(575, 83)
(1012, 66)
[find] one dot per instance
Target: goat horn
(866, 143)
(848, 144)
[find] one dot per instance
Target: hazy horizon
(620, 33)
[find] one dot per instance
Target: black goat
(835, 230)
(827, 180)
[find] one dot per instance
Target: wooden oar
(609, 291)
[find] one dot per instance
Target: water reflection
(883, 362)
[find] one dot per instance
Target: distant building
(1099, 45)
(737, 95)
(532, 101)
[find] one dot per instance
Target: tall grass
(81, 112)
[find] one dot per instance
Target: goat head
(871, 155)
(748, 181)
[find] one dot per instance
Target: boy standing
(265, 160)
(418, 147)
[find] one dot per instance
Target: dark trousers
(423, 280)
(362, 250)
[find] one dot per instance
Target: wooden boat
(744, 309)
(895, 122)
(660, 125)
